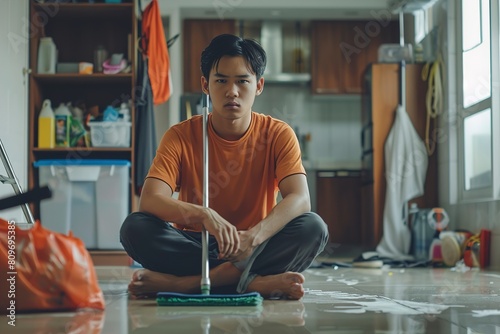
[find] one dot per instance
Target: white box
(110, 134)
(89, 198)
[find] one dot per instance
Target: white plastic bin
(110, 134)
(89, 197)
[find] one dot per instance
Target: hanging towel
(406, 167)
(155, 48)
(145, 133)
(146, 143)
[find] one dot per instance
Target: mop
(205, 298)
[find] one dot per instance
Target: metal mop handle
(15, 183)
(205, 279)
(402, 75)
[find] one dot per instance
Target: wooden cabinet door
(341, 51)
(359, 44)
(339, 204)
(326, 58)
(356, 47)
(197, 36)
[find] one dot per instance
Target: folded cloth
(368, 260)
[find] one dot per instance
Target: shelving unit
(77, 30)
(380, 101)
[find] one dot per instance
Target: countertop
(314, 165)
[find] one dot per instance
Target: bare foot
(284, 286)
(146, 283)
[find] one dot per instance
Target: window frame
(493, 191)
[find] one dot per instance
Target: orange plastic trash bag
(42, 270)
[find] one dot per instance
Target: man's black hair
(231, 45)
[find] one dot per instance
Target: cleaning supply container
(422, 233)
(110, 134)
(47, 56)
(46, 126)
(89, 198)
(63, 125)
(453, 246)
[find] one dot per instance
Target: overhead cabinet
(341, 51)
(197, 36)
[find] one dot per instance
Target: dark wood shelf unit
(76, 78)
(77, 30)
(85, 10)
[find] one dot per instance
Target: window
(476, 41)
(476, 49)
(477, 150)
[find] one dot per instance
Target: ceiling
(283, 13)
(275, 9)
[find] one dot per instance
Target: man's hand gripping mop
(205, 298)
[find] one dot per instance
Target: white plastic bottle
(46, 126)
(124, 112)
(47, 56)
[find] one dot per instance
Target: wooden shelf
(110, 258)
(121, 153)
(83, 78)
(84, 10)
(83, 149)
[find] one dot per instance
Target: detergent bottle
(63, 125)
(46, 126)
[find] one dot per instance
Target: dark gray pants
(160, 247)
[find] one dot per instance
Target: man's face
(232, 88)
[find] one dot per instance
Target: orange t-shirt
(243, 174)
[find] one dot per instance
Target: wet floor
(337, 300)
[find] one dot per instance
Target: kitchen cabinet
(338, 196)
(341, 50)
(197, 34)
(379, 102)
(78, 29)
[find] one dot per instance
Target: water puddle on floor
(342, 302)
(484, 313)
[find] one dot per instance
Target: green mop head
(181, 299)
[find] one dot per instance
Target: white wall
(334, 123)
(13, 96)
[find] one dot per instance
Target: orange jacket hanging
(155, 48)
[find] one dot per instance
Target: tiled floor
(342, 300)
